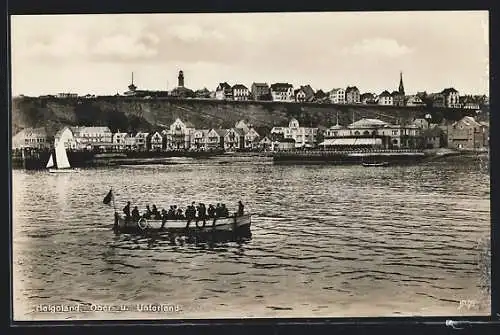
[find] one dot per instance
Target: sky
(96, 54)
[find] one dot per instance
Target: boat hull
(62, 170)
(239, 225)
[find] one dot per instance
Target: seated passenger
(135, 214)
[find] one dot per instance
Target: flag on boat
(107, 199)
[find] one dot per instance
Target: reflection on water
(327, 240)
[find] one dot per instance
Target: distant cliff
(132, 114)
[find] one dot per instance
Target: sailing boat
(61, 162)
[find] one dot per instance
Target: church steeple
(401, 86)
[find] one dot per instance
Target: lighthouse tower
(181, 79)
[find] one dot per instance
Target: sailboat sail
(50, 163)
(62, 156)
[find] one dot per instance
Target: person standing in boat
(135, 214)
(202, 213)
(224, 210)
(241, 208)
(155, 214)
(218, 211)
(148, 213)
(180, 216)
(171, 213)
(126, 210)
(211, 211)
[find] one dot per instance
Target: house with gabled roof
(224, 91)
(467, 134)
(199, 140)
(260, 91)
(385, 99)
(157, 142)
(282, 92)
(179, 135)
(31, 138)
(452, 97)
(142, 141)
(234, 139)
(215, 138)
(240, 92)
(337, 96)
(352, 95)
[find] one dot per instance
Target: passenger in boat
(135, 214)
(241, 208)
(155, 214)
(126, 210)
(171, 213)
(211, 211)
(202, 213)
(224, 211)
(218, 211)
(179, 215)
(147, 215)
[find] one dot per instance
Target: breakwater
(348, 156)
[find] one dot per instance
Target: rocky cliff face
(131, 114)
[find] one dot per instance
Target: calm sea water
(327, 241)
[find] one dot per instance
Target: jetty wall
(131, 114)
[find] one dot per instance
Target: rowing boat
(239, 225)
(375, 164)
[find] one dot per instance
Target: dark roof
(224, 86)
(449, 90)
(351, 88)
(281, 86)
(385, 94)
(261, 84)
(432, 132)
(240, 86)
(395, 93)
(367, 95)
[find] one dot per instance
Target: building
(202, 94)
(337, 96)
(300, 95)
(282, 92)
(467, 133)
(156, 142)
(234, 139)
(67, 95)
(179, 135)
(398, 97)
(469, 102)
(240, 92)
(92, 137)
(142, 142)
(242, 125)
(414, 101)
(368, 98)
(200, 139)
(320, 96)
(119, 140)
(181, 91)
(385, 98)
(437, 100)
(452, 98)
(251, 139)
(352, 95)
(265, 144)
(216, 138)
(433, 137)
(302, 136)
(260, 91)
(36, 138)
(391, 136)
(304, 94)
(224, 92)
